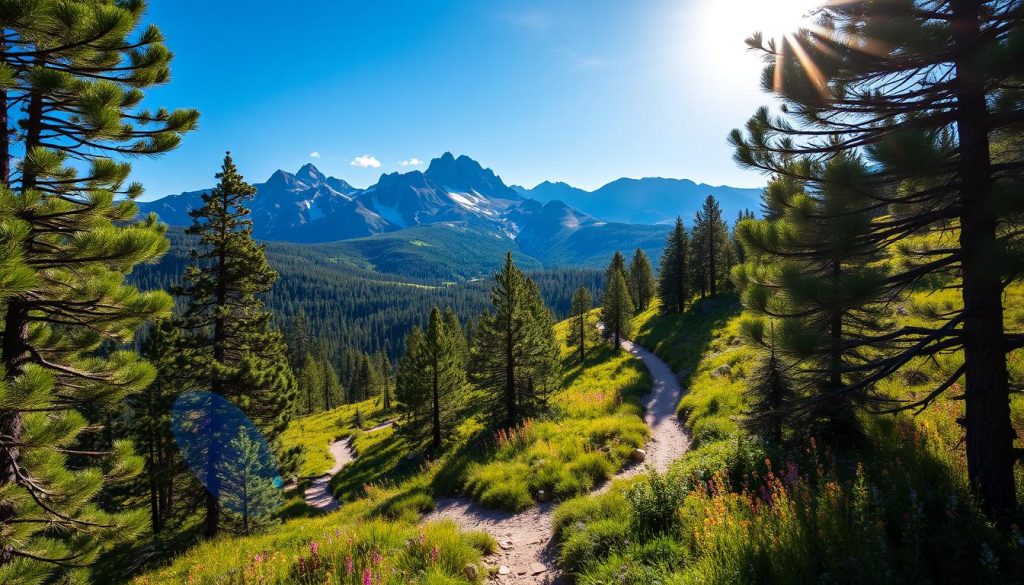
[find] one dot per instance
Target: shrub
(592, 542)
(654, 503)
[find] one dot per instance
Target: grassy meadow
(895, 508)
(315, 433)
(594, 424)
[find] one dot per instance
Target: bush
(654, 503)
(592, 542)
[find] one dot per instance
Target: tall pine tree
(710, 248)
(72, 80)
(927, 142)
(514, 354)
(579, 324)
(432, 380)
(617, 305)
(641, 280)
(244, 354)
(674, 270)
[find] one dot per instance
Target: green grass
(594, 425)
(735, 510)
(315, 433)
(380, 457)
(316, 551)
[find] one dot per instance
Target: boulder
(537, 569)
(638, 455)
(543, 496)
(471, 572)
(504, 570)
(723, 371)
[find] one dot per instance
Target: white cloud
(366, 162)
(412, 162)
(314, 154)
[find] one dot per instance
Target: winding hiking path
(318, 494)
(527, 554)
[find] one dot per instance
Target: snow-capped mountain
(308, 206)
(457, 194)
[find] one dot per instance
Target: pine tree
(363, 380)
(299, 345)
(927, 142)
(245, 355)
(673, 273)
(770, 396)
(710, 247)
(617, 308)
(432, 376)
(150, 420)
(580, 326)
(384, 369)
(817, 280)
(249, 484)
(739, 254)
(310, 380)
(73, 78)
(451, 320)
(514, 354)
(641, 281)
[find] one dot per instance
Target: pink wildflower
(375, 557)
(367, 576)
(313, 547)
(348, 565)
(435, 553)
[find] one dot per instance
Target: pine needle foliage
(674, 270)
(244, 357)
(515, 356)
(922, 91)
(72, 79)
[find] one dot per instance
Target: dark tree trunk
(437, 409)
(989, 432)
(212, 522)
(712, 273)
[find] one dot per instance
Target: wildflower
(348, 565)
(422, 538)
(435, 553)
(367, 576)
(375, 557)
(792, 473)
(313, 547)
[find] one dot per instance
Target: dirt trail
(527, 554)
(318, 494)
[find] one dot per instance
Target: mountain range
(457, 206)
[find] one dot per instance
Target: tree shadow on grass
(681, 339)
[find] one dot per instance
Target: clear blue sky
(580, 91)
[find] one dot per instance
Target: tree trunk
(437, 407)
(989, 432)
(712, 274)
(212, 522)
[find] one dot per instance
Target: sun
(773, 18)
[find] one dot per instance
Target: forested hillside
(350, 303)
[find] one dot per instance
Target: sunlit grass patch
(345, 547)
(314, 433)
(594, 425)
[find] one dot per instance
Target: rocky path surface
(318, 494)
(527, 553)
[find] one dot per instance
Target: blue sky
(579, 91)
